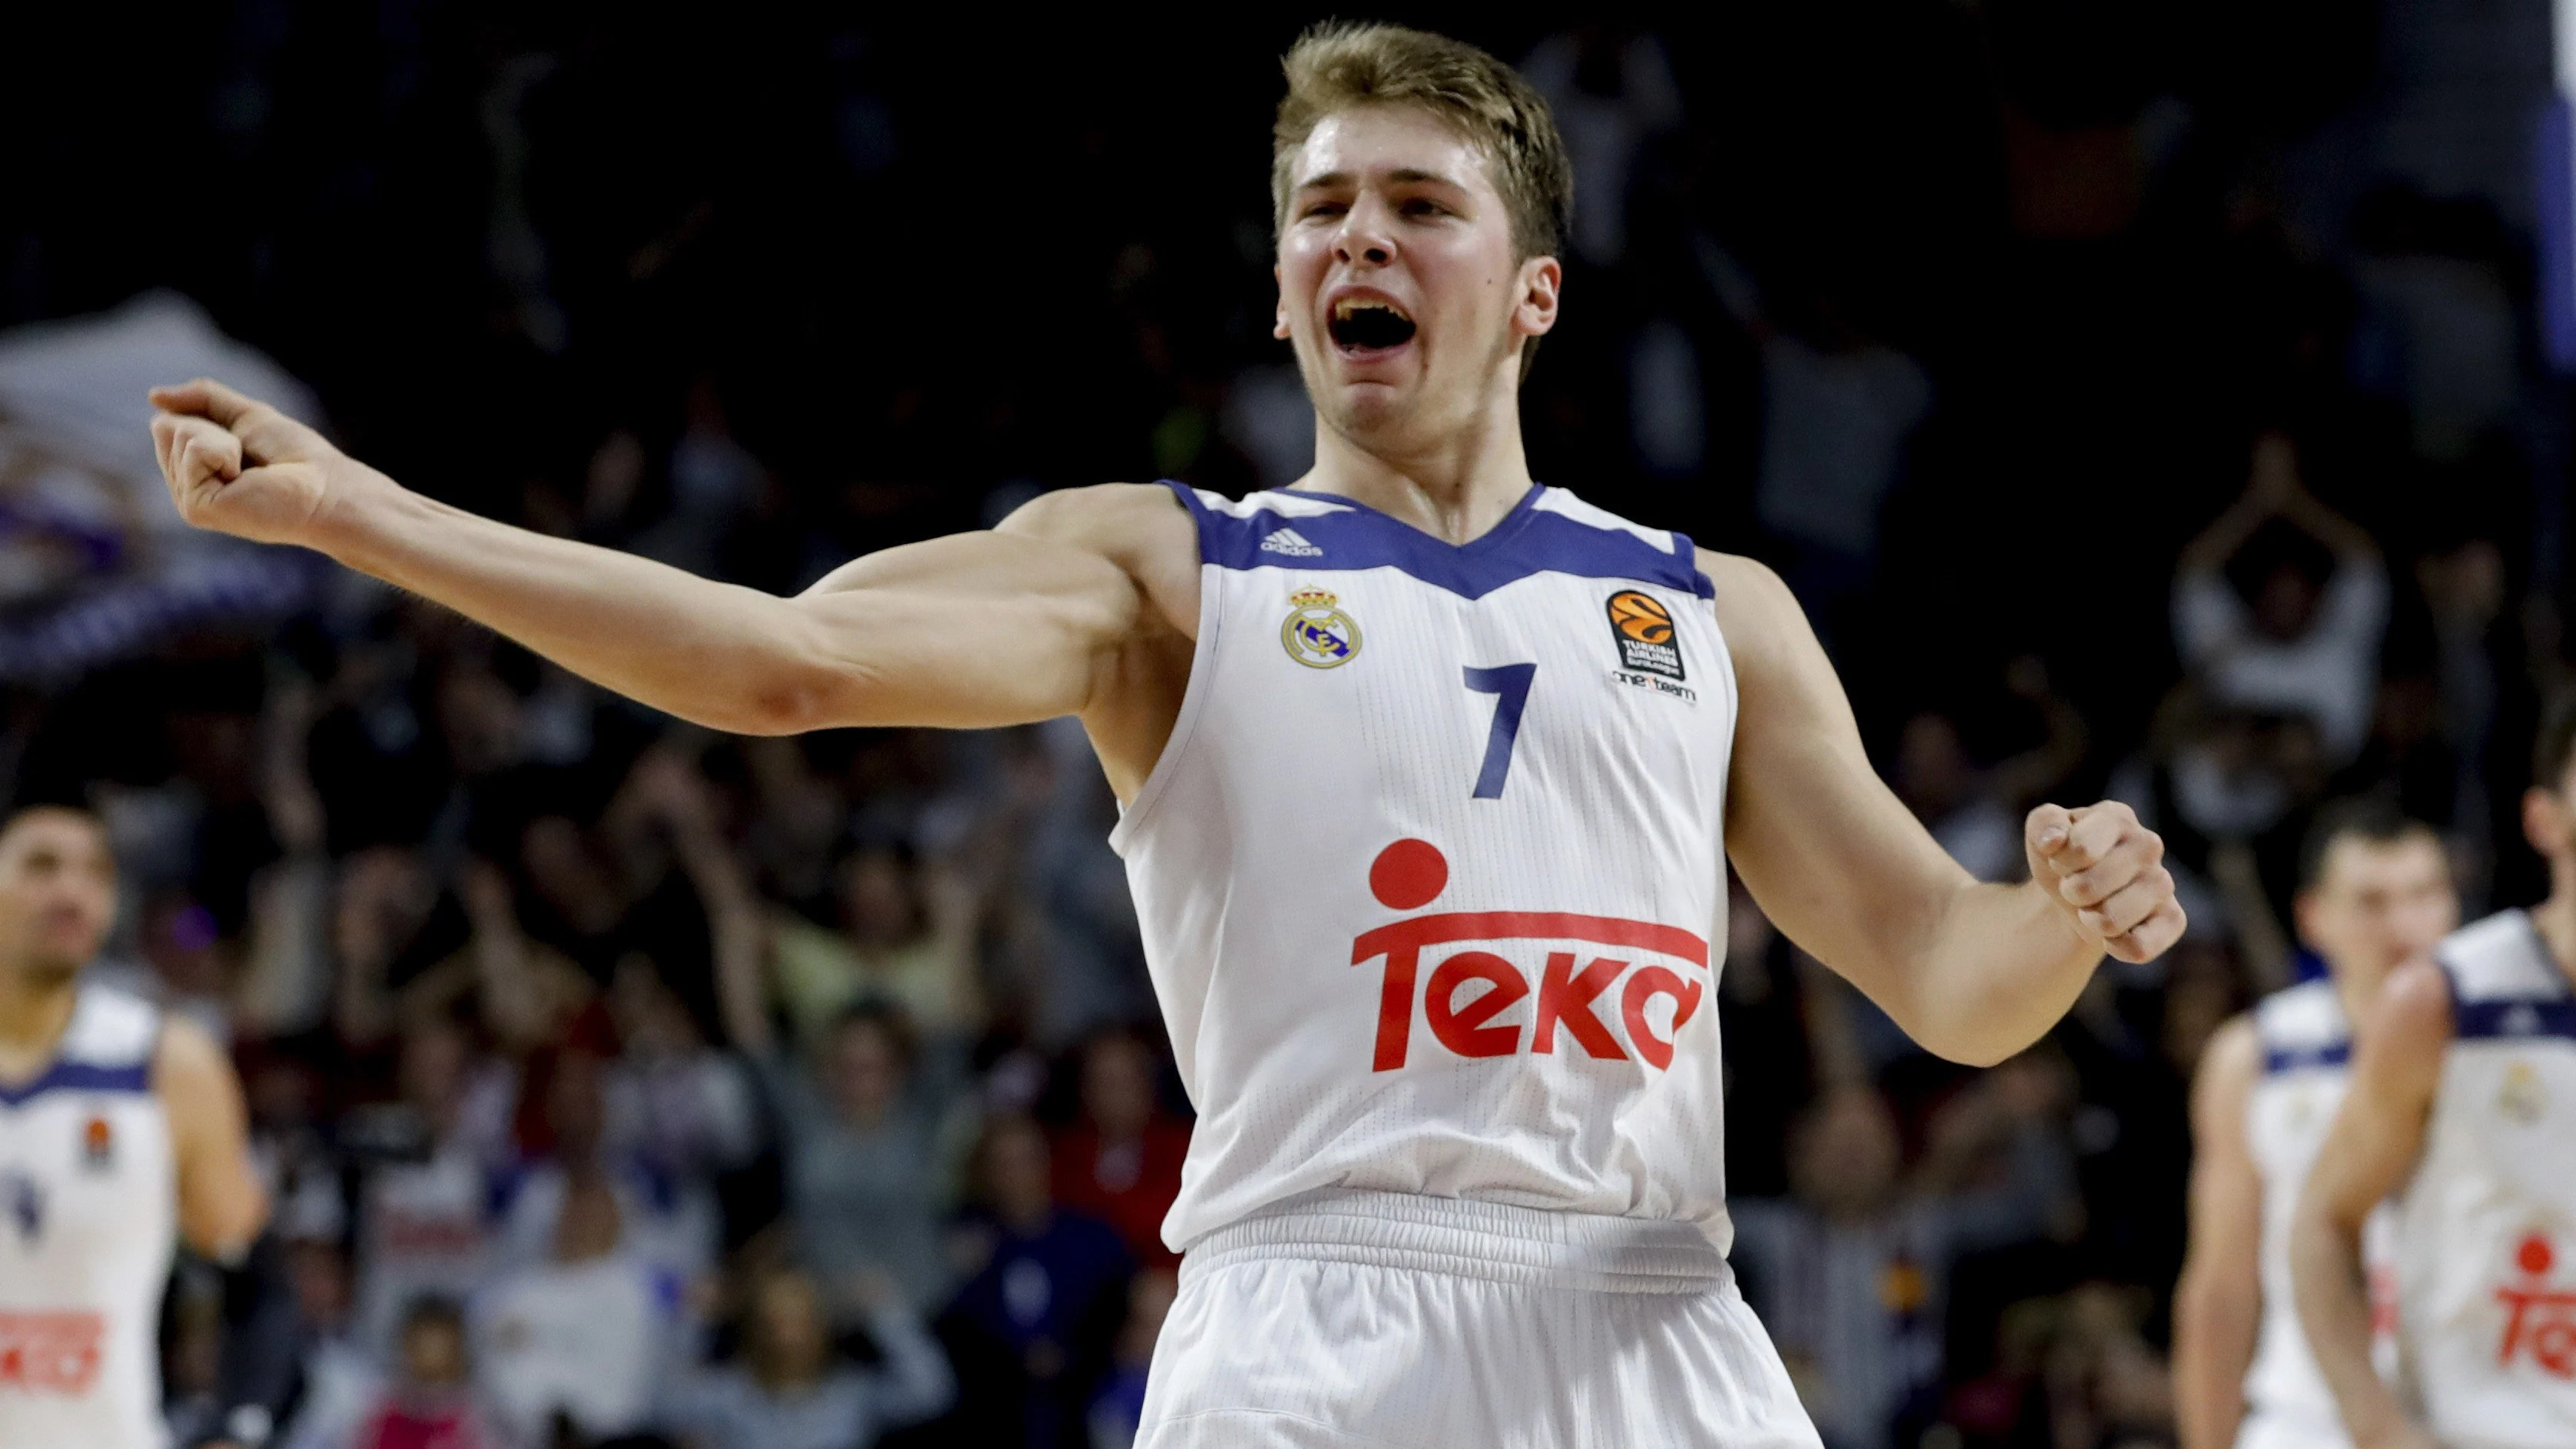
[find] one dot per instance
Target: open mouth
(1362, 324)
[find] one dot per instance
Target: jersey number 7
(1510, 686)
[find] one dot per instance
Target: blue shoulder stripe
(1529, 540)
(2277, 1060)
(80, 1077)
(2505, 1018)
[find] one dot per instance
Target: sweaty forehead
(1375, 140)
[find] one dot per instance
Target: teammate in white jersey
(121, 1130)
(2375, 893)
(1429, 775)
(2463, 1105)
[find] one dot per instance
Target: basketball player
(2374, 894)
(1428, 773)
(2463, 1105)
(121, 1130)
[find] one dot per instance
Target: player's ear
(2544, 821)
(1540, 279)
(1279, 316)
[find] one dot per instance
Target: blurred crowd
(2144, 401)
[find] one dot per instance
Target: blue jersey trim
(80, 1077)
(2510, 1017)
(2507, 1018)
(1529, 540)
(2277, 1060)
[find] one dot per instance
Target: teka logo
(2540, 1321)
(50, 1353)
(1410, 873)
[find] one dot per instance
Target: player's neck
(2555, 918)
(34, 1009)
(1456, 487)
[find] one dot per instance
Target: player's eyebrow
(1402, 176)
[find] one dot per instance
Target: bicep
(969, 631)
(1807, 817)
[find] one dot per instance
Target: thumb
(2045, 833)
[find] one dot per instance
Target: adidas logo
(1287, 541)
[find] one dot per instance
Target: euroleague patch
(1317, 633)
(1644, 629)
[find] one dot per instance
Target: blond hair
(1338, 65)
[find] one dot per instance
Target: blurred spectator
(1976, 814)
(2272, 629)
(1119, 1407)
(1120, 1159)
(1032, 1329)
(581, 1333)
(342, 1381)
(432, 1399)
(907, 936)
(1839, 407)
(1851, 1273)
(424, 1222)
(1611, 90)
(864, 1142)
(788, 1392)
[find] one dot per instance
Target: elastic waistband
(1494, 1241)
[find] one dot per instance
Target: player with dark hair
(2374, 895)
(2462, 1110)
(121, 1131)
(1430, 774)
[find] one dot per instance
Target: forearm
(712, 653)
(1996, 969)
(2334, 1308)
(2214, 1328)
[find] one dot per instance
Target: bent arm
(977, 629)
(2218, 1305)
(2367, 1153)
(1972, 972)
(221, 1203)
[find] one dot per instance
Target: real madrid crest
(1317, 633)
(2522, 1099)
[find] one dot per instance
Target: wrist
(355, 511)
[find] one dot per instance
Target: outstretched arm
(2373, 1143)
(1973, 972)
(2218, 1306)
(1018, 624)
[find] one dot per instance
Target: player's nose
(1365, 235)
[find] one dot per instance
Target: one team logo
(50, 1352)
(2540, 1317)
(98, 1144)
(1644, 629)
(1317, 633)
(1471, 1000)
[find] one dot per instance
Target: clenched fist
(238, 466)
(2107, 872)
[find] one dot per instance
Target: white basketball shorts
(1394, 1321)
(2262, 1429)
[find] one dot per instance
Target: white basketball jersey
(88, 1208)
(2486, 1261)
(2306, 1041)
(1430, 872)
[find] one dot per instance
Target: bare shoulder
(1766, 629)
(2228, 1064)
(1143, 528)
(187, 1066)
(2413, 1017)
